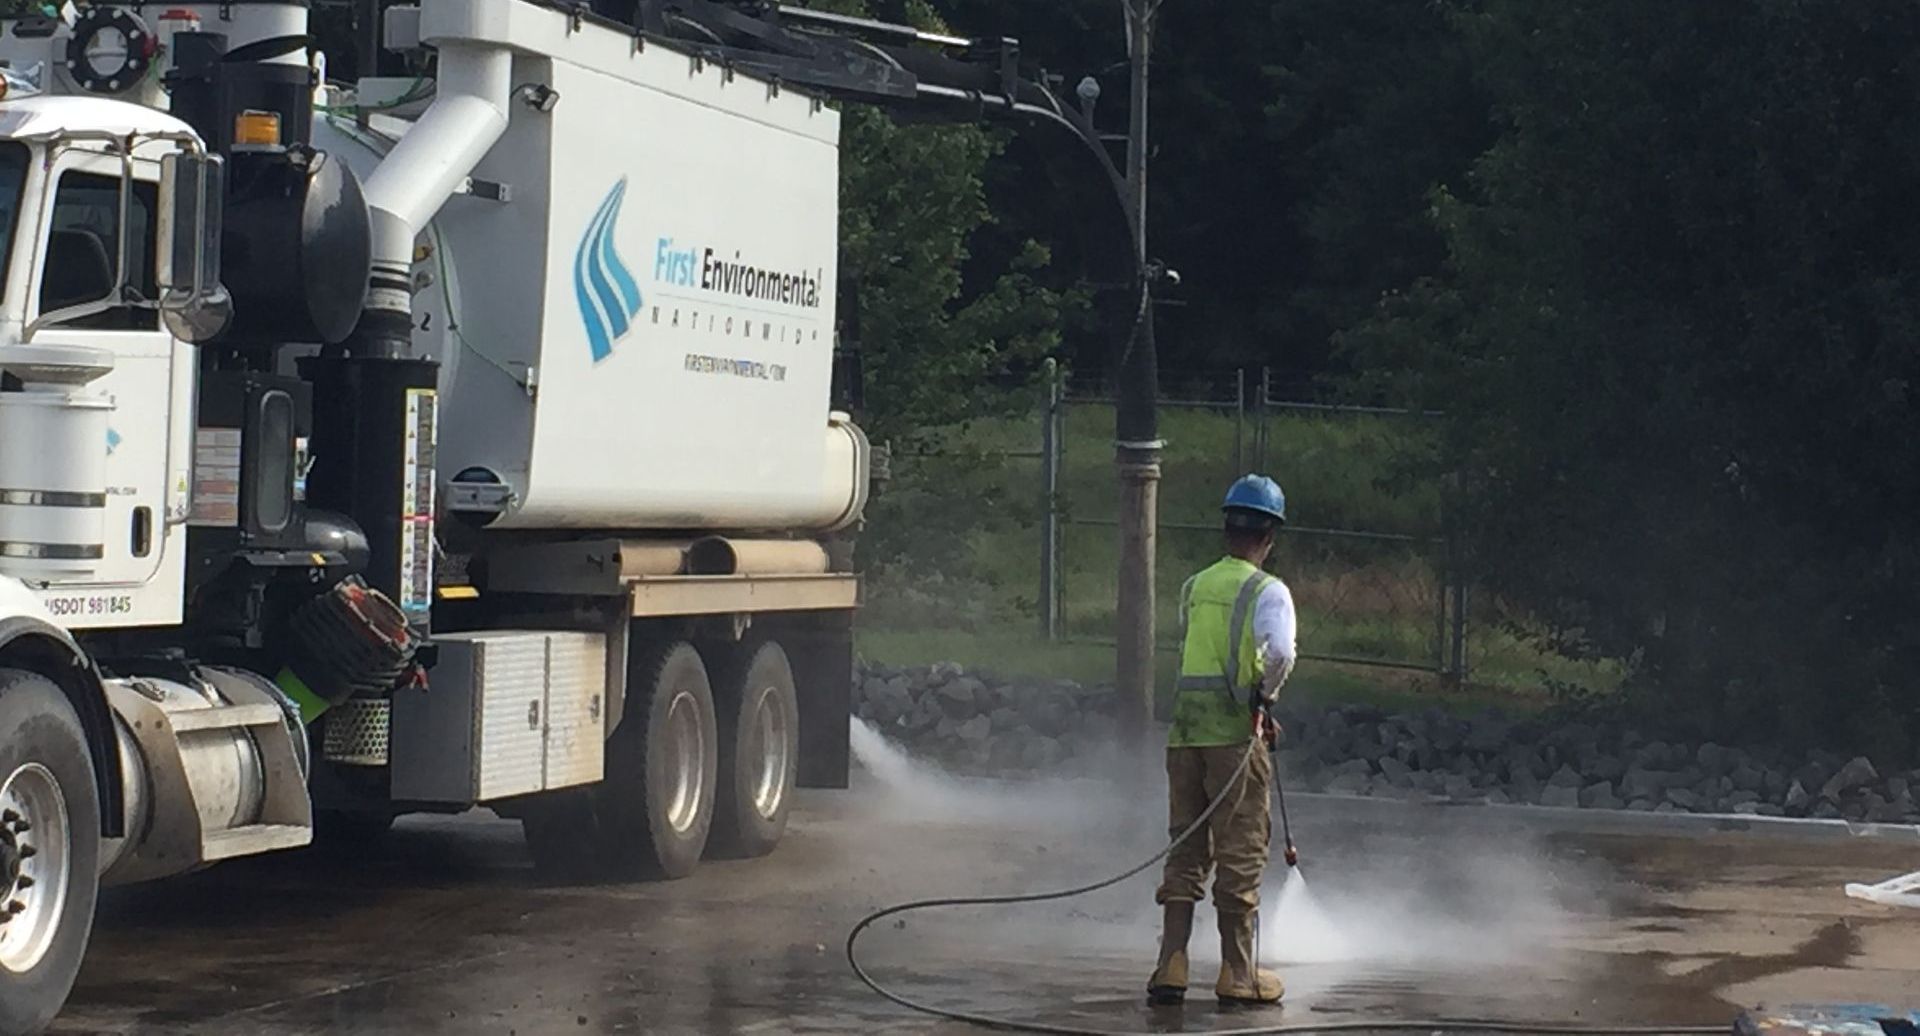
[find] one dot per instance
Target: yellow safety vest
(1220, 664)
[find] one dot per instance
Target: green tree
(912, 196)
(1374, 105)
(937, 351)
(1294, 146)
(1676, 338)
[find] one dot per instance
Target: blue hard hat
(1257, 494)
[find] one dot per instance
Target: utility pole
(1137, 444)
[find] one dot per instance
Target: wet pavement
(1416, 911)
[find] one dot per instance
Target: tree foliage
(912, 198)
(1293, 148)
(1372, 104)
(1677, 337)
(937, 351)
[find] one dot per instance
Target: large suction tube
(467, 118)
(724, 556)
(641, 558)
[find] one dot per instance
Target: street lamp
(1089, 93)
(1136, 441)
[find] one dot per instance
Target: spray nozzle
(1292, 856)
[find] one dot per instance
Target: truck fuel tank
(215, 763)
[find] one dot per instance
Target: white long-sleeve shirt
(1275, 629)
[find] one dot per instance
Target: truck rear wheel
(49, 850)
(651, 814)
(759, 751)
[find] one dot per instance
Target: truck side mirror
(194, 304)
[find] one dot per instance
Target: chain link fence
(1012, 524)
(1362, 552)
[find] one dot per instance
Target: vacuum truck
(463, 438)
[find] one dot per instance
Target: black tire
(759, 751)
(41, 737)
(647, 817)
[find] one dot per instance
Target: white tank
(634, 308)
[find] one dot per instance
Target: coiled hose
(1436, 1025)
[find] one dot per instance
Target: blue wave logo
(608, 295)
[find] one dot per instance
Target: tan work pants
(1234, 839)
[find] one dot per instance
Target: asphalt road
(1417, 911)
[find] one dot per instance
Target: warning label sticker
(216, 477)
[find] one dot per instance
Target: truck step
(226, 717)
(251, 841)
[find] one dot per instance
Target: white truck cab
(84, 333)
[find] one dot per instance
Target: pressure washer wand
(1292, 855)
(1271, 731)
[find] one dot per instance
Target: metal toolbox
(506, 712)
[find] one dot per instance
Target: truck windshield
(13, 177)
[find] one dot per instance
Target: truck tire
(651, 814)
(50, 812)
(759, 751)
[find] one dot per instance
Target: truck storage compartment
(505, 713)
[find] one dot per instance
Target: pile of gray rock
(978, 723)
(1361, 750)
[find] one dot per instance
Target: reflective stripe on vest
(1237, 627)
(1236, 632)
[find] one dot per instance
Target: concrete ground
(1411, 911)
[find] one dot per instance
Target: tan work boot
(1242, 980)
(1169, 982)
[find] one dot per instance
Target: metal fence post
(1061, 511)
(1239, 422)
(1460, 666)
(1443, 596)
(1049, 600)
(1453, 602)
(1260, 402)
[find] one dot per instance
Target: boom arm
(914, 74)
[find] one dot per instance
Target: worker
(1238, 651)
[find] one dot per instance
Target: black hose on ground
(1435, 1025)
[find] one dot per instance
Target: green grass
(1012, 653)
(1362, 598)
